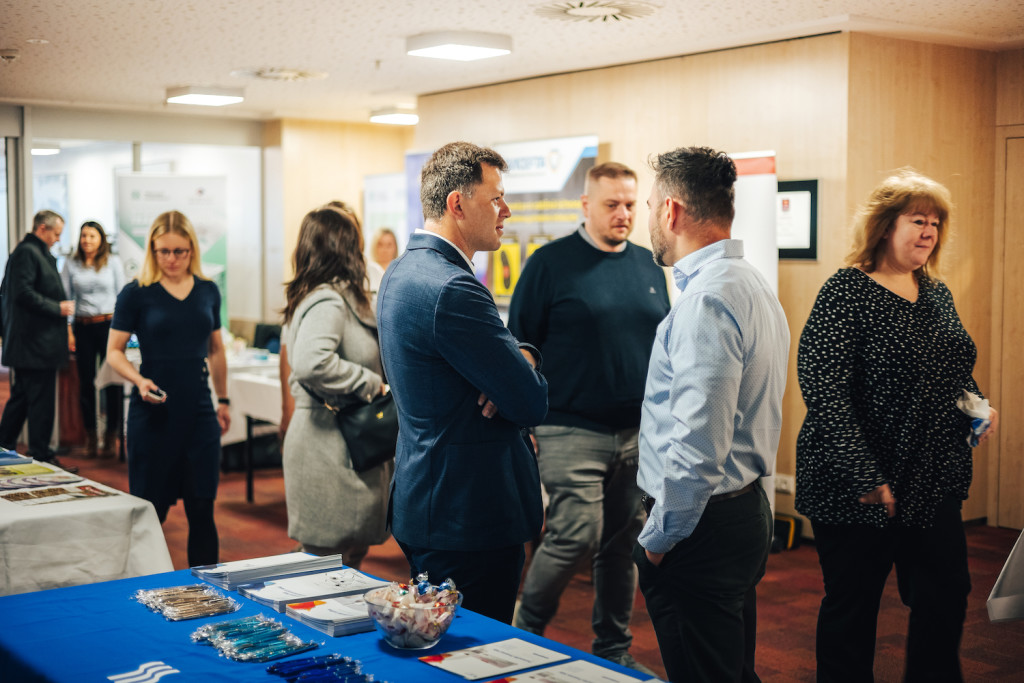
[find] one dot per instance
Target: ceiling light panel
(42, 149)
(205, 97)
(396, 116)
(460, 46)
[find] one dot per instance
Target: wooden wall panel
(789, 97)
(324, 160)
(933, 107)
(1006, 456)
(843, 109)
(1010, 89)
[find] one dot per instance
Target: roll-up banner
(141, 198)
(756, 187)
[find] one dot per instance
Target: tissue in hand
(978, 409)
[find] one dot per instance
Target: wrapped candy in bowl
(413, 616)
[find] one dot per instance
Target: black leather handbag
(370, 429)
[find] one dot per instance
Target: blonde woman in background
(383, 250)
(173, 428)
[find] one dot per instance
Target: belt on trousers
(93, 319)
(648, 501)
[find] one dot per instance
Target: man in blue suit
(466, 491)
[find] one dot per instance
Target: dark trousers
(488, 579)
(702, 597)
(203, 542)
(90, 350)
(33, 396)
(933, 581)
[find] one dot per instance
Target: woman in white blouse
(92, 279)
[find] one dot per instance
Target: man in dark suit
(35, 331)
(466, 490)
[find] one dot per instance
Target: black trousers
(488, 579)
(933, 580)
(90, 350)
(702, 597)
(203, 542)
(33, 396)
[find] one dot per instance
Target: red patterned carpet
(787, 598)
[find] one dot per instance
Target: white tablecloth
(256, 395)
(78, 541)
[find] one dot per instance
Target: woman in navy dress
(173, 429)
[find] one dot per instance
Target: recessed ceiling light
(38, 41)
(461, 46)
(396, 116)
(207, 97)
(596, 10)
(44, 149)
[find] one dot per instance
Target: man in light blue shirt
(710, 427)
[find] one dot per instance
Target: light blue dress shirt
(712, 411)
(93, 291)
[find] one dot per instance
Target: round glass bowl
(413, 626)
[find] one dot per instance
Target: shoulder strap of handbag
(320, 399)
(372, 328)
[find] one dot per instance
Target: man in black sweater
(35, 311)
(591, 302)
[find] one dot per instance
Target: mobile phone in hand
(157, 395)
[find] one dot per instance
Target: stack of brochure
(277, 593)
(334, 616)
(231, 575)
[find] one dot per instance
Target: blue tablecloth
(87, 633)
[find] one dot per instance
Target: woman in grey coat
(331, 336)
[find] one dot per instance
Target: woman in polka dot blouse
(883, 460)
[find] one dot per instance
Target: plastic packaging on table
(178, 603)
(330, 668)
(252, 639)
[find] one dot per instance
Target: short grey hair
(456, 167)
(46, 218)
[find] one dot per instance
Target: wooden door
(1010, 504)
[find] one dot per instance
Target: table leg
(249, 422)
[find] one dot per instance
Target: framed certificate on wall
(796, 222)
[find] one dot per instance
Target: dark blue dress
(173, 447)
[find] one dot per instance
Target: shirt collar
(461, 253)
(687, 267)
